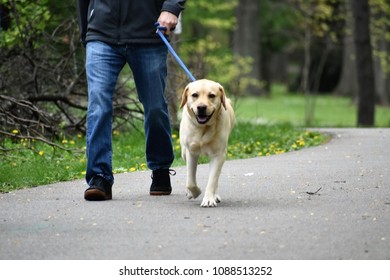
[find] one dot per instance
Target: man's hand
(167, 20)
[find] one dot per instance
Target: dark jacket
(122, 22)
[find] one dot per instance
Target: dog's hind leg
(210, 198)
(193, 191)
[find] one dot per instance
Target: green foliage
(380, 29)
(31, 163)
(205, 44)
(215, 62)
(266, 140)
(320, 16)
(216, 14)
(278, 20)
(28, 18)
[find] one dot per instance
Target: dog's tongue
(202, 119)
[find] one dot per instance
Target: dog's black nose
(202, 109)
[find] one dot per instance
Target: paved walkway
(327, 202)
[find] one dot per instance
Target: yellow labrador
(207, 121)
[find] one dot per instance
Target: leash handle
(181, 63)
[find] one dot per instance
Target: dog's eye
(195, 95)
(211, 95)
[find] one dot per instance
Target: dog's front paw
(210, 201)
(193, 192)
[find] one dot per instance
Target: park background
(288, 66)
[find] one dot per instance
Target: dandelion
(116, 132)
(301, 142)
(294, 146)
(79, 135)
(174, 136)
(72, 142)
(143, 166)
(83, 172)
(132, 169)
(15, 131)
(64, 141)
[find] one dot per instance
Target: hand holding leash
(172, 51)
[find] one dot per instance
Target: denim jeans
(148, 65)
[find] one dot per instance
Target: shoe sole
(159, 193)
(96, 195)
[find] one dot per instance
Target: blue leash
(181, 63)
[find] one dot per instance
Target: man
(116, 32)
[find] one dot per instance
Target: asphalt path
(328, 202)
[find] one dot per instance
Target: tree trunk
(382, 49)
(364, 63)
(246, 40)
(348, 85)
(381, 76)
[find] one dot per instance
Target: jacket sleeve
(173, 6)
(82, 13)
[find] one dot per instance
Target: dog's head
(204, 98)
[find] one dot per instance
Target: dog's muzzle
(201, 116)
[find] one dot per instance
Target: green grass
(34, 163)
(330, 111)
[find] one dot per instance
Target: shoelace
(171, 172)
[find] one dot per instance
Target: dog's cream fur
(207, 121)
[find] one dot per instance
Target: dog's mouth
(203, 118)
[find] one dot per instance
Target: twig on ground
(313, 193)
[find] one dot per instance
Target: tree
(278, 20)
(246, 37)
(347, 85)
(43, 90)
(364, 62)
(380, 31)
(205, 45)
(318, 26)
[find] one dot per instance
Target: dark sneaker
(161, 182)
(99, 189)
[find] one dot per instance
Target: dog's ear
(223, 96)
(184, 97)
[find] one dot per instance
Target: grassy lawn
(265, 126)
(34, 163)
(330, 111)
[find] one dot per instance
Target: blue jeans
(149, 68)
